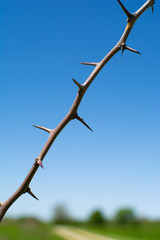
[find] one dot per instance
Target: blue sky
(42, 44)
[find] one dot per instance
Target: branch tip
(82, 121)
(43, 128)
(78, 84)
(125, 10)
(30, 193)
(89, 63)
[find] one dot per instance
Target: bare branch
(24, 187)
(141, 10)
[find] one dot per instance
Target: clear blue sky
(42, 43)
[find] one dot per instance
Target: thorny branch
(72, 114)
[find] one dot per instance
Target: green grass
(26, 229)
(141, 231)
(33, 229)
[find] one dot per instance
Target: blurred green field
(26, 229)
(140, 231)
(31, 228)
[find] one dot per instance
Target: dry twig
(72, 114)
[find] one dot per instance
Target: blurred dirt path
(72, 233)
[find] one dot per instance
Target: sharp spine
(39, 162)
(82, 121)
(30, 193)
(152, 8)
(122, 52)
(125, 10)
(89, 63)
(43, 128)
(1, 204)
(124, 47)
(78, 84)
(132, 50)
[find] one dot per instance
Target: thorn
(1, 204)
(124, 47)
(122, 51)
(82, 121)
(43, 128)
(30, 193)
(89, 63)
(78, 84)
(39, 162)
(152, 8)
(125, 10)
(132, 50)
